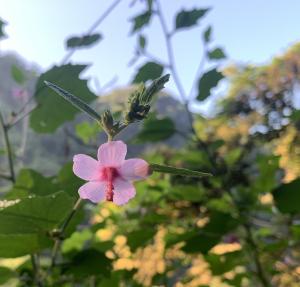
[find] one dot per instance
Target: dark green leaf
(216, 54)
(142, 42)
(141, 20)
(208, 81)
(53, 110)
(185, 19)
(154, 130)
(90, 262)
(83, 41)
(139, 238)
(219, 224)
(149, 71)
(220, 264)
(287, 197)
(18, 74)
(2, 24)
(177, 171)
(207, 34)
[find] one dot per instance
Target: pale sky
(250, 31)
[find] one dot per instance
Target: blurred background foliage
(237, 228)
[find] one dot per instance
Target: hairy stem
(61, 232)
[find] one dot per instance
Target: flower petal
(86, 167)
(93, 190)
(134, 169)
(123, 191)
(112, 154)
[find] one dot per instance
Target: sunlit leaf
(87, 131)
(83, 41)
(185, 19)
(5, 274)
(149, 71)
(53, 110)
(208, 81)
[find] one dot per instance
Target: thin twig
(10, 125)
(92, 28)
(8, 148)
(171, 65)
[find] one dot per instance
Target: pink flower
(20, 94)
(110, 177)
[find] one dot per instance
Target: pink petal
(112, 154)
(134, 169)
(94, 191)
(123, 191)
(86, 167)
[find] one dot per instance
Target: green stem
(259, 268)
(8, 148)
(61, 232)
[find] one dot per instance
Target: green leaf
(5, 274)
(141, 20)
(25, 226)
(216, 54)
(219, 224)
(2, 24)
(154, 130)
(207, 34)
(149, 71)
(287, 197)
(67, 181)
(75, 101)
(177, 171)
(35, 214)
(83, 41)
(142, 42)
(208, 81)
(16, 245)
(53, 111)
(139, 238)
(89, 262)
(18, 74)
(185, 19)
(220, 264)
(191, 193)
(87, 131)
(31, 182)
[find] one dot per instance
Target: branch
(8, 148)
(61, 231)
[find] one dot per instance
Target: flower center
(109, 174)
